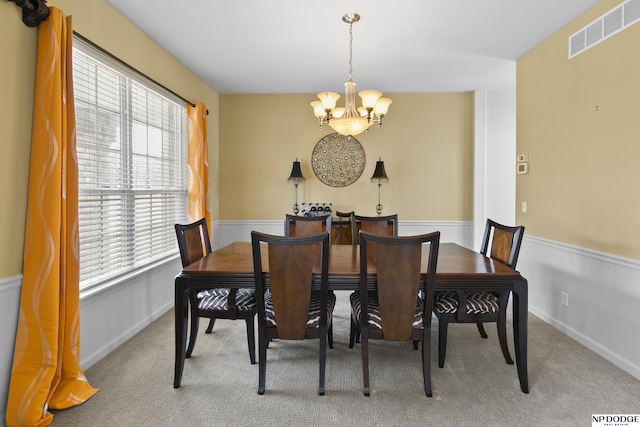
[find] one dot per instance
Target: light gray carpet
(568, 383)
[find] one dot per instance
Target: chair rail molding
(225, 231)
(603, 297)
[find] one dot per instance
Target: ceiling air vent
(612, 22)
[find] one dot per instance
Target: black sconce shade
(296, 172)
(379, 175)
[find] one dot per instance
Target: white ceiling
(300, 46)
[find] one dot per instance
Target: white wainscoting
(113, 314)
(109, 315)
(603, 313)
(9, 307)
(225, 232)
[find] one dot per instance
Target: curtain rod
(115, 58)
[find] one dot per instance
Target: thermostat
(523, 168)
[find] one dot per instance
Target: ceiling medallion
(338, 160)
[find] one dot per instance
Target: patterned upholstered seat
(215, 303)
(295, 225)
(477, 302)
(218, 299)
(313, 318)
(392, 310)
(375, 318)
(502, 244)
(290, 305)
(380, 225)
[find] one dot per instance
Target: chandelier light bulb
(349, 120)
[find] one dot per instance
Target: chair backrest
(398, 265)
(342, 215)
(292, 261)
(306, 225)
(341, 233)
(193, 241)
(380, 225)
(502, 242)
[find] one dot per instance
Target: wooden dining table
(458, 268)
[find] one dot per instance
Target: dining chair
(345, 214)
(341, 233)
(308, 226)
(502, 243)
(393, 311)
(292, 309)
(218, 303)
(384, 225)
(381, 225)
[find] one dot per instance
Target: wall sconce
(296, 177)
(379, 176)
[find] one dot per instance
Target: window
(132, 166)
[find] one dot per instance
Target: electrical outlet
(524, 207)
(564, 298)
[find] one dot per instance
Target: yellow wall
(579, 122)
(98, 22)
(426, 143)
(17, 74)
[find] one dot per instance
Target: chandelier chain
(350, 51)
(349, 120)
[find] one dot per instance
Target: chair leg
(262, 359)
(192, 336)
(352, 332)
(442, 340)
(502, 337)
(502, 327)
(426, 362)
(193, 312)
(323, 359)
(212, 321)
(251, 339)
(364, 348)
(480, 326)
(415, 344)
(330, 335)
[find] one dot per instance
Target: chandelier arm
(351, 120)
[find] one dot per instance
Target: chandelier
(347, 120)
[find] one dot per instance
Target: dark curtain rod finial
(33, 11)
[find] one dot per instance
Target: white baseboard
(603, 295)
(602, 314)
(97, 354)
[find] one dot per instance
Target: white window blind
(132, 166)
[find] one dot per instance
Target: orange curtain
(46, 369)
(198, 163)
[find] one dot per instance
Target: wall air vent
(612, 22)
